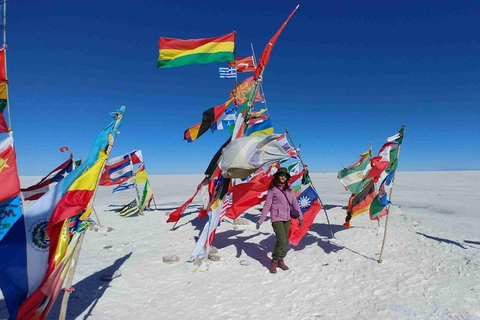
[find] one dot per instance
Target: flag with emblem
(310, 206)
(246, 64)
(353, 177)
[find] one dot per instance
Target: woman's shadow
(87, 292)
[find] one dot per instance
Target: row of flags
(370, 179)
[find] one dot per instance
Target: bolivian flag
(178, 52)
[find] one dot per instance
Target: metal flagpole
(388, 208)
(323, 207)
(73, 265)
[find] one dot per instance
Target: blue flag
(306, 199)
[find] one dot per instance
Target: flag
(178, 52)
(310, 206)
(282, 140)
(147, 196)
(10, 184)
(36, 191)
(293, 170)
(246, 64)
(119, 169)
(227, 119)
(380, 202)
(3, 105)
(268, 48)
(259, 126)
(249, 194)
(353, 177)
(241, 91)
(71, 196)
(359, 203)
(209, 117)
(124, 185)
(3, 72)
(177, 213)
(243, 156)
(130, 210)
(380, 162)
(27, 248)
(141, 175)
(227, 73)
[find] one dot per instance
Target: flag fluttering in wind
(227, 73)
(36, 191)
(209, 117)
(265, 57)
(242, 89)
(380, 202)
(10, 184)
(243, 156)
(72, 200)
(3, 105)
(125, 185)
(119, 169)
(359, 203)
(310, 206)
(178, 52)
(259, 126)
(246, 64)
(353, 177)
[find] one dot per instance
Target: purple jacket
(278, 206)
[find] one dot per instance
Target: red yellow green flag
(178, 52)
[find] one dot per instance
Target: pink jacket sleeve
(266, 208)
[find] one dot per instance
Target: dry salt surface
(430, 268)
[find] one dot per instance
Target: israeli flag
(227, 73)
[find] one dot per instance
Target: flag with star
(310, 206)
(8, 171)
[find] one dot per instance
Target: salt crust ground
(430, 267)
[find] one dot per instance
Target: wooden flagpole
(75, 255)
(388, 208)
(323, 207)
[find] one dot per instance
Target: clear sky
(342, 73)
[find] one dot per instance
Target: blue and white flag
(225, 120)
(226, 73)
(130, 183)
(306, 199)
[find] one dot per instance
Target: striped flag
(130, 183)
(227, 73)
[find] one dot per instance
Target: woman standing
(279, 203)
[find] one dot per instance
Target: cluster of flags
(41, 240)
(239, 174)
(370, 179)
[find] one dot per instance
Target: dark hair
(276, 183)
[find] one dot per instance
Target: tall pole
(4, 21)
(388, 209)
(323, 207)
(261, 85)
(136, 187)
(69, 280)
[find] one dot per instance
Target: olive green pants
(281, 229)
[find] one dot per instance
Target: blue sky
(342, 73)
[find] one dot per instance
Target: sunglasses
(282, 175)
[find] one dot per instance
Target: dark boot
(282, 265)
(273, 266)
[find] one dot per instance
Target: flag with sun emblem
(310, 206)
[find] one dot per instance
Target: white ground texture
(430, 267)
